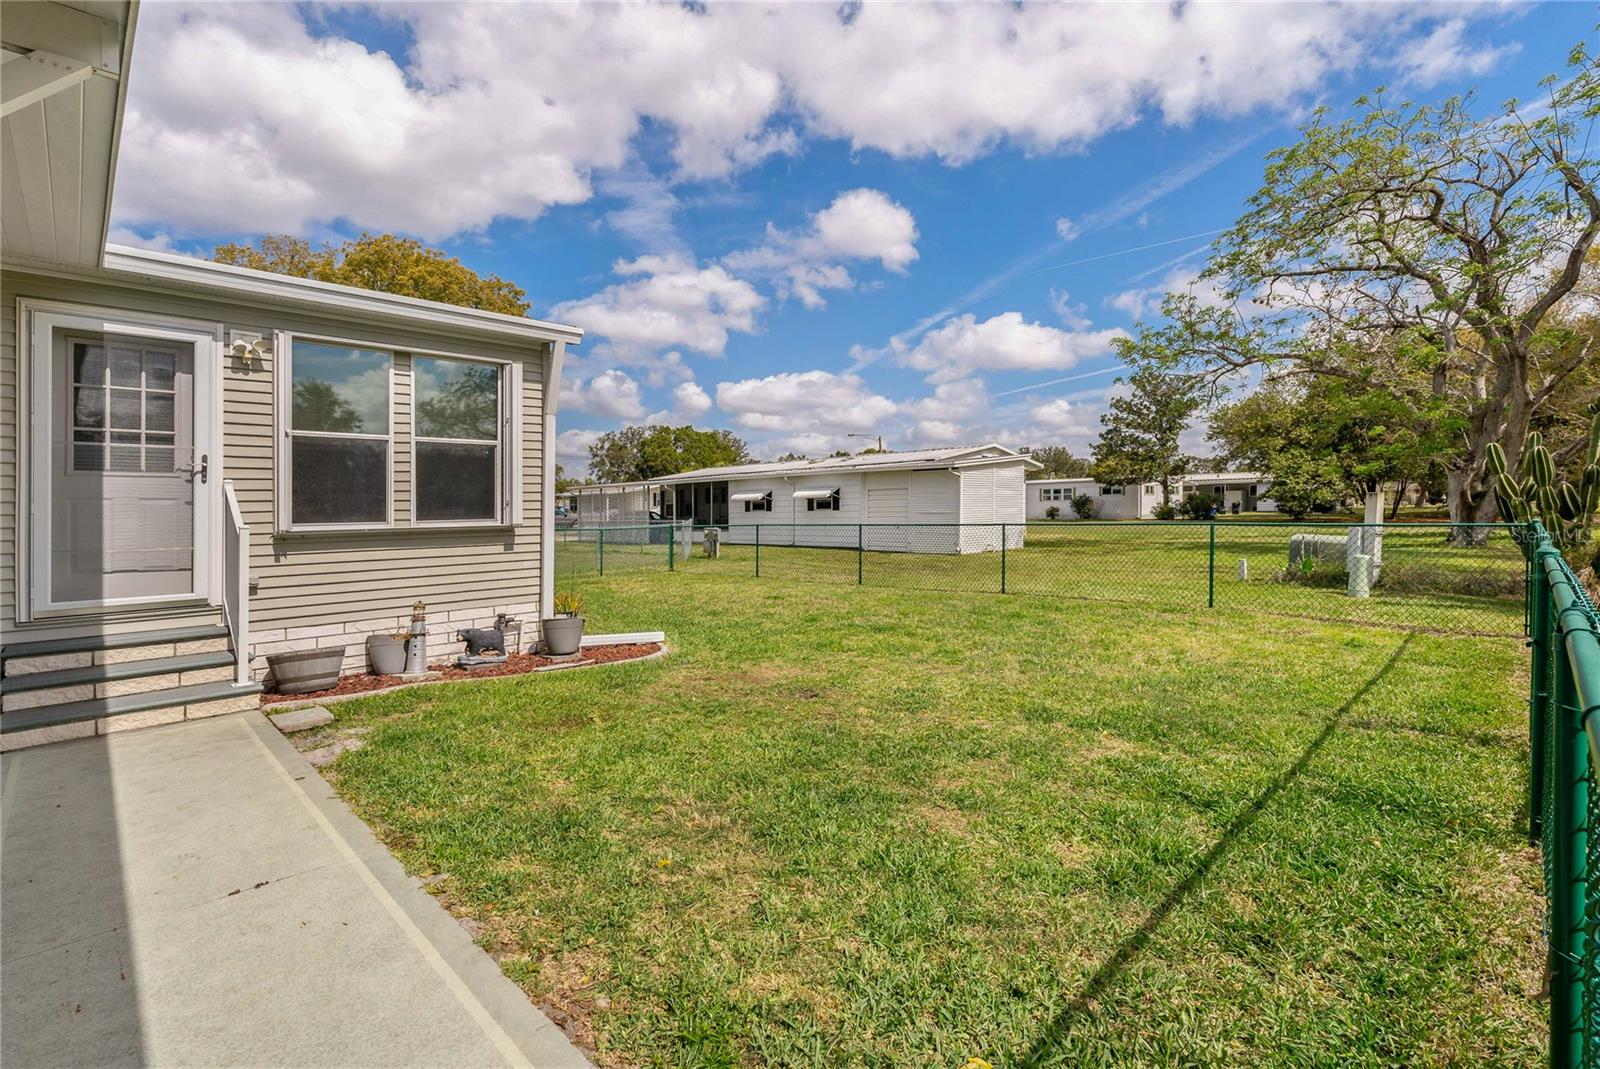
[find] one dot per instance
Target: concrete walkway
(196, 895)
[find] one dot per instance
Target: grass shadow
(1052, 1038)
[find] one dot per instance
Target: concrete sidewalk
(195, 895)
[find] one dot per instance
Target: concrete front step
(14, 652)
(89, 716)
(123, 671)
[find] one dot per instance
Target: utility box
(713, 542)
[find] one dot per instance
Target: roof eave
(188, 273)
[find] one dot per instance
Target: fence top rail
(1064, 525)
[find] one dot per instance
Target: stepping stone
(314, 716)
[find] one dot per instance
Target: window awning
(750, 497)
(814, 495)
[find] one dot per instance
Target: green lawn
(1426, 582)
(876, 827)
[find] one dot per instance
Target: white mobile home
(1240, 491)
(1136, 501)
(205, 464)
(951, 500)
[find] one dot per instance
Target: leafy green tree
(638, 454)
(1139, 437)
(318, 404)
(1420, 249)
(381, 262)
(789, 458)
(1335, 438)
(1059, 463)
(670, 450)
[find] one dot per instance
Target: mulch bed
(515, 665)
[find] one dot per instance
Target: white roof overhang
(750, 497)
(815, 495)
(62, 85)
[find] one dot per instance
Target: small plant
(1166, 511)
(1198, 506)
(568, 604)
(1083, 506)
(1566, 511)
(1053, 512)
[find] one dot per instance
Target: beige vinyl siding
(317, 579)
(8, 459)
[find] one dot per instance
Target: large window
(457, 436)
(338, 435)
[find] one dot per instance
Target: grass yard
(875, 827)
(1426, 581)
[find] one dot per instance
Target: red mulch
(515, 665)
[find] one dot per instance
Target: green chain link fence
(1450, 578)
(1564, 641)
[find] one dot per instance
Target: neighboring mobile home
(950, 500)
(1241, 491)
(205, 464)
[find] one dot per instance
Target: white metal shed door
(888, 504)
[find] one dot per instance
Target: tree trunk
(1399, 493)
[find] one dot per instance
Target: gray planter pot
(386, 655)
(563, 635)
(306, 670)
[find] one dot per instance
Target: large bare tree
(1419, 248)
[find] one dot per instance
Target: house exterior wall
(315, 589)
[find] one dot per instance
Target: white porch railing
(236, 583)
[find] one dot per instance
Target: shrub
(1052, 513)
(568, 604)
(1166, 511)
(1198, 506)
(1083, 506)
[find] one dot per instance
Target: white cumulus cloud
(503, 110)
(861, 224)
(1006, 342)
(611, 394)
(815, 402)
(665, 301)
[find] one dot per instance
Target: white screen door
(120, 487)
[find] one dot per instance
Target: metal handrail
(236, 584)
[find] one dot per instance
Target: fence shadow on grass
(1056, 1032)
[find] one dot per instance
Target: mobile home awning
(749, 497)
(814, 495)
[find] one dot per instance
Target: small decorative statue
(485, 645)
(417, 648)
(479, 639)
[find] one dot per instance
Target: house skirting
(442, 641)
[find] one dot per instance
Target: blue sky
(795, 222)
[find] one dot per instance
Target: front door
(120, 489)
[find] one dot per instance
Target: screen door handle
(201, 469)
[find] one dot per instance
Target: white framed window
(461, 423)
(1110, 491)
(755, 502)
(819, 500)
(335, 406)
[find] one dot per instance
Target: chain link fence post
(1538, 703)
(758, 551)
(601, 543)
(1002, 558)
(672, 547)
(1569, 890)
(860, 553)
(1211, 567)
